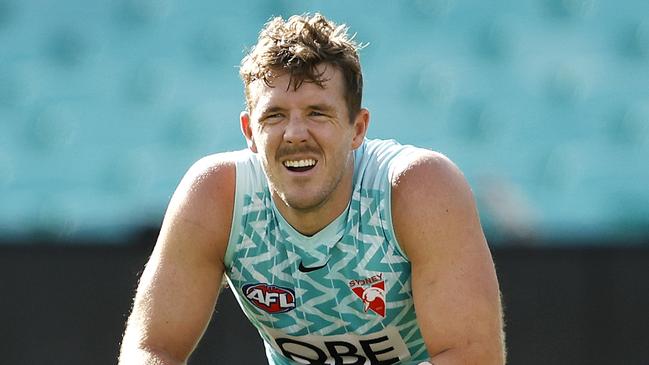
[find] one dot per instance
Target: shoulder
(426, 171)
(215, 166)
(430, 196)
(203, 201)
(210, 177)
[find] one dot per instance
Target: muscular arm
(179, 286)
(454, 283)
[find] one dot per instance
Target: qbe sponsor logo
(270, 298)
(380, 348)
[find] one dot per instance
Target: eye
(315, 113)
(272, 118)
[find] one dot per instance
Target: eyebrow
(269, 110)
(323, 107)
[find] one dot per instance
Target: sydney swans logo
(372, 292)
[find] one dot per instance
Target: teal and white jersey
(341, 296)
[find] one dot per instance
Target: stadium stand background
(544, 104)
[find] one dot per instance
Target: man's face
(304, 139)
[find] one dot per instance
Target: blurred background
(544, 104)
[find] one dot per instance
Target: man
(329, 241)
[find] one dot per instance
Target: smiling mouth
(300, 165)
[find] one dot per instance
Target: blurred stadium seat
(104, 105)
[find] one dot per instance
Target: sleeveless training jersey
(341, 296)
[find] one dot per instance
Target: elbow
(135, 350)
(133, 355)
(473, 353)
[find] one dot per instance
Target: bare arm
(179, 286)
(454, 283)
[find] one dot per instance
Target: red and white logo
(270, 298)
(372, 292)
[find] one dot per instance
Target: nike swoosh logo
(303, 268)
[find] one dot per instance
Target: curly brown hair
(297, 46)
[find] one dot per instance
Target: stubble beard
(318, 198)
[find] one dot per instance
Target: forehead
(283, 94)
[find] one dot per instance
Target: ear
(246, 129)
(361, 122)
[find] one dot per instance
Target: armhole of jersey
(236, 218)
(388, 211)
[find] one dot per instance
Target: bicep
(175, 299)
(455, 289)
(457, 301)
(179, 286)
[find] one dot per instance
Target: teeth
(299, 163)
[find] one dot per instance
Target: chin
(302, 202)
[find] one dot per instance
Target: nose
(296, 131)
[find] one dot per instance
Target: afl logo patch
(270, 298)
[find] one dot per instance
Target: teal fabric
(357, 308)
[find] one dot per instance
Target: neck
(312, 220)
